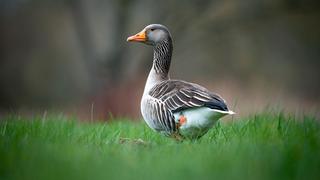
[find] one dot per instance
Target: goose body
(174, 107)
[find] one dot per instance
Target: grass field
(263, 146)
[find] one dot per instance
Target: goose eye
(152, 29)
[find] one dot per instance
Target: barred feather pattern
(180, 95)
(162, 56)
(160, 117)
(171, 96)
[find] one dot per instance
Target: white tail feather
(224, 112)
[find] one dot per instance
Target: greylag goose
(175, 108)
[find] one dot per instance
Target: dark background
(71, 56)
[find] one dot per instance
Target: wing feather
(179, 95)
(162, 116)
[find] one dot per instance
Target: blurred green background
(72, 56)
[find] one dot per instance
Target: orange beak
(140, 37)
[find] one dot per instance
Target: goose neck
(161, 64)
(162, 53)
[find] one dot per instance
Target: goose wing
(180, 95)
(160, 117)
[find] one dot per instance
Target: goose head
(151, 35)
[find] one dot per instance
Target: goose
(175, 108)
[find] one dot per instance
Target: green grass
(264, 146)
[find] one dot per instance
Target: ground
(261, 146)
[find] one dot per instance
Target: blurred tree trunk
(116, 60)
(112, 66)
